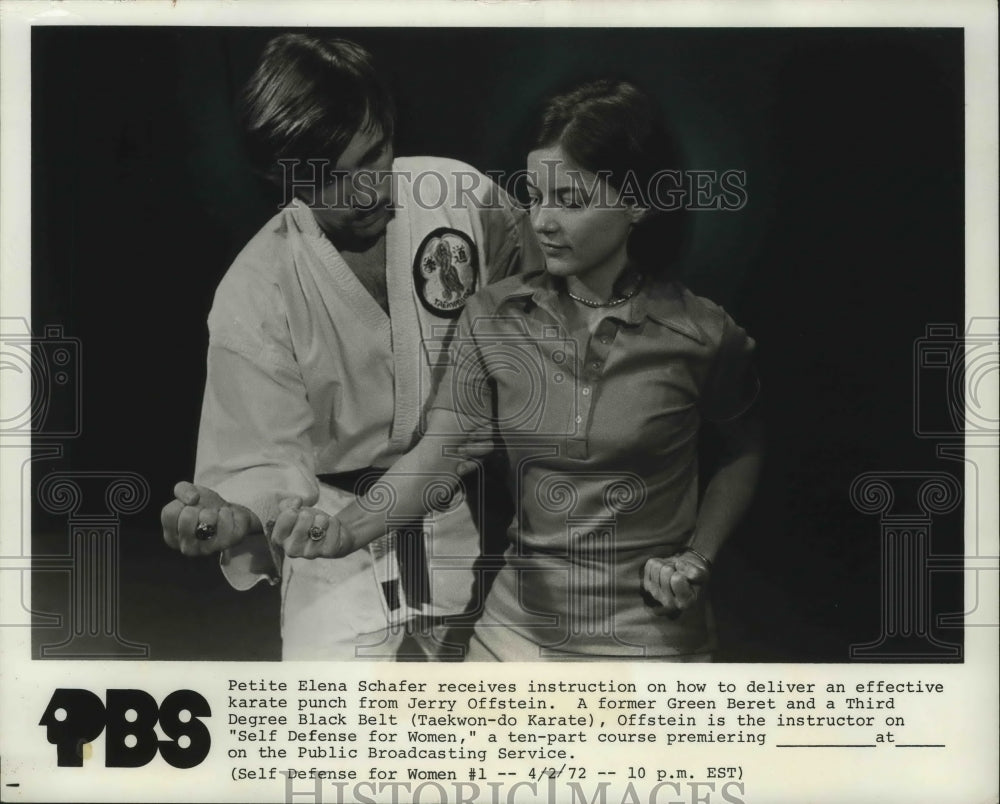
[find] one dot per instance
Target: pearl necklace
(613, 302)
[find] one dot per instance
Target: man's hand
(675, 582)
(199, 521)
(309, 532)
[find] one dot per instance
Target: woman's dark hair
(307, 99)
(611, 128)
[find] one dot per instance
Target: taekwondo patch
(445, 271)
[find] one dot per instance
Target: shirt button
(578, 420)
(586, 390)
(605, 339)
(596, 364)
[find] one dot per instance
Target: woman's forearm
(433, 457)
(366, 518)
(731, 489)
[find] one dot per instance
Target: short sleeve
(465, 397)
(509, 243)
(732, 385)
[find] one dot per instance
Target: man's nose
(372, 190)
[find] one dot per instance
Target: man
(321, 351)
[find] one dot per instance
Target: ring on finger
(317, 534)
(204, 532)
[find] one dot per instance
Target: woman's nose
(541, 218)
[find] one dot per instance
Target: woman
(596, 375)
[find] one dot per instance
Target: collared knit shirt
(601, 430)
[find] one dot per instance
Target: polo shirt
(601, 431)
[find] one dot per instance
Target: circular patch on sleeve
(445, 271)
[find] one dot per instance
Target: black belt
(355, 481)
(411, 550)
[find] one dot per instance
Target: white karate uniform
(307, 375)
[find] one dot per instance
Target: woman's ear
(637, 213)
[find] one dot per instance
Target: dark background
(850, 245)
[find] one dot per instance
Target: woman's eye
(569, 199)
(533, 200)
